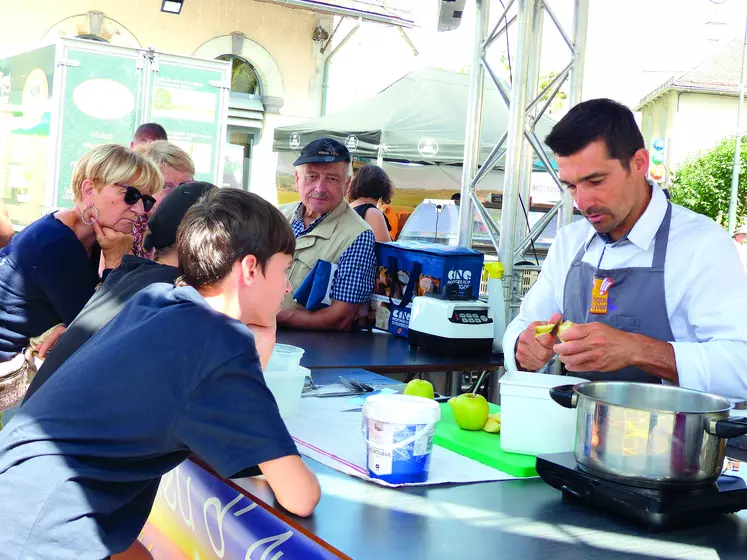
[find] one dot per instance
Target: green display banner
(188, 107)
(26, 82)
(99, 108)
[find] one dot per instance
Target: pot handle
(729, 428)
(564, 396)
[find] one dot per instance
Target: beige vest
(327, 241)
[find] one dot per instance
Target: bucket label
(423, 444)
(398, 448)
(380, 437)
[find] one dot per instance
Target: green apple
(419, 388)
(470, 411)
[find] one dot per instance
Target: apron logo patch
(606, 285)
(600, 295)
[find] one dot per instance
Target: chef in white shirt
(657, 292)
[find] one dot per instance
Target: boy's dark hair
(371, 181)
(597, 119)
(225, 226)
(151, 131)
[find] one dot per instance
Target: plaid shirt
(356, 269)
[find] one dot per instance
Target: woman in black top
(370, 185)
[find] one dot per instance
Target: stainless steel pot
(656, 436)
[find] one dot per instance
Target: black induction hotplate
(656, 509)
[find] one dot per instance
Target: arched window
(91, 37)
(244, 78)
(257, 85)
(94, 26)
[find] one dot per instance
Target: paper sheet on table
(325, 433)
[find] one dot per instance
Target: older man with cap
(327, 230)
(132, 275)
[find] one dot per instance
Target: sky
(633, 46)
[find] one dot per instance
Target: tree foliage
(544, 81)
(703, 182)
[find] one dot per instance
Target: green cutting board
(481, 446)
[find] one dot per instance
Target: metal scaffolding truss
(526, 106)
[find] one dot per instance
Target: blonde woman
(176, 167)
(50, 269)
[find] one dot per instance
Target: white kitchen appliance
(451, 326)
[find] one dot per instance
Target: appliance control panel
(470, 316)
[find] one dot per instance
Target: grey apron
(636, 301)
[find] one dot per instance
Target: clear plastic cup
(285, 358)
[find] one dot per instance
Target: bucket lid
(538, 380)
(401, 409)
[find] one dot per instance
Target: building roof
(718, 74)
(391, 12)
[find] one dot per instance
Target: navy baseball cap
(323, 150)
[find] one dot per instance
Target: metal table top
(376, 351)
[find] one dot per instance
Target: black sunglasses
(132, 195)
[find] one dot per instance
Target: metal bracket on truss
(526, 107)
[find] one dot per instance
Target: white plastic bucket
(531, 422)
(398, 430)
(286, 386)
(285, 358)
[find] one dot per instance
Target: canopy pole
(474, 124)
(737, 147)
(409, 42)
(328, 61)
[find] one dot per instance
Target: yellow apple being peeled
(564, 326)
(493, 423)
(470, 411)
(547, 328)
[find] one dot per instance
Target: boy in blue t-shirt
(176, 372)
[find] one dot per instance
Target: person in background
(457, 198)
(740, 236)
(370, 186)
(148, 132)
(177, 372)
(392, 218)
(6, 226)
(176, 167)
(132, 275)
(327, 229)
(50, 269)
